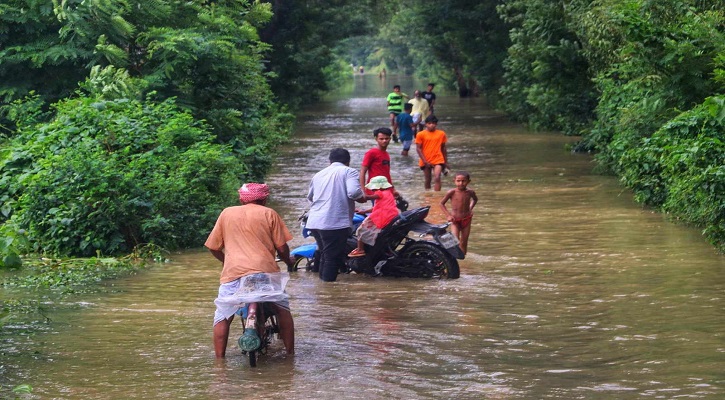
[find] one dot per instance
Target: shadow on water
(570, 290)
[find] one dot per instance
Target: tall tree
(208, 55)
(547, 82)
(464, 38)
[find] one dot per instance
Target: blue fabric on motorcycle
(261, 287)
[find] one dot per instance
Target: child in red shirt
(384, 211)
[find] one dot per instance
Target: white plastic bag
(260, 287)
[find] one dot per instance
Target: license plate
(448, 241)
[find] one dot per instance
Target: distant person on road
(430, 97)
(462, 200)
(431, 146)
(332, 194)
(406, 127)
(395, 107)
(246, 239)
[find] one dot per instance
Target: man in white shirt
(333, 192)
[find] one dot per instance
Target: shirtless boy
(462, 200)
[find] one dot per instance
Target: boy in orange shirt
(462, 200)
(431, 146)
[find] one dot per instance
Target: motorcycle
(252, 303)
(434, 254)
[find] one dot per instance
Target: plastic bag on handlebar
(260, 287)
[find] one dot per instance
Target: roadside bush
(13, 243)
(547, 84)
(681, 168)
(105, 175)
(651, 61)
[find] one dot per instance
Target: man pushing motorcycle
(245, 239)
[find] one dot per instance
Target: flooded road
(570, 290)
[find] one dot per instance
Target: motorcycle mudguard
(357, 219)
(306, 250)
(456, 252)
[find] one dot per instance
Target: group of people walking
(247, 238)
(334, 191)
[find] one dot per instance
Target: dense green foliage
(70, 275)
(632, 77)
(13, 243)
(637, 79)
(207, 55)
(128, 161)
(106, 175)
(459, 43)
(681, 168)
(546, 84)
(655, 61)
(624, 74)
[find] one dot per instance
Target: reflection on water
(570, 290)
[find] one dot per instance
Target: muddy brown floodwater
(570, 291)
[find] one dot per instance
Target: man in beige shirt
(420, 112)
(246, 239)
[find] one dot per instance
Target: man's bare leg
(394, 127)
(437, 170)
(427, 173)
(221, 337)
(286, 328)
(455, 231)
(465, 232)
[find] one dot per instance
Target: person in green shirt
(395, 107)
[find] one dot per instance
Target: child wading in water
(462, 200)
(384, 211)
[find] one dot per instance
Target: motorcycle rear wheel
(427, 260)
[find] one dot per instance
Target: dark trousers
(332, 246)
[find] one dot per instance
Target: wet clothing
(384, 211)
(333, 192)
(332, 245)
(249, 235)
(462, 222)
(430, 143)
(378, 163)
(429, 96)
(404, 121)
(395, 103)
(420, 106)
(232, 295)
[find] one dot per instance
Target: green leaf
(23, 389)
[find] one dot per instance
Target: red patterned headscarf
(251, 192)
